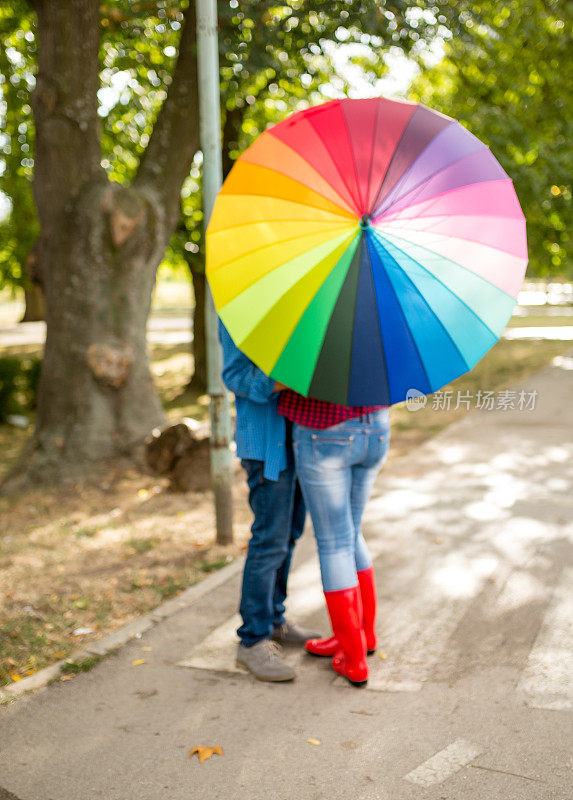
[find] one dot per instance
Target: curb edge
(131, 630)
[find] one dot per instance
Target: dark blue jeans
(279, 513)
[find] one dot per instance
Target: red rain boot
(330, 646)
(345, 610)
(367, 581)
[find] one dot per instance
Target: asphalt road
(471, 694)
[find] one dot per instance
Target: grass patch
(29, 643)
(168, 588)
(85, 532)
(212, 566)
(141, 546)
(83, 665)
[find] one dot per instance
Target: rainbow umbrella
(364, 248)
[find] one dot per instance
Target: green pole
(210, 129)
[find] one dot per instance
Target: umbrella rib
(300, 311)
(436, 197)
(327, 151)
(450, 260)
(407, 325)
(449, 237)
(347, 129)
(347, 372)
(434, 314)
(339, 271)
(446, 287)
(272, 244)
(378, 111)
(304, 276)
(394, 154)
(419, 186)
(294, 180)
(278, 219)
(351, 276)
(343, 202)
(380, 328)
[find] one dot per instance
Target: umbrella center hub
(365, 222)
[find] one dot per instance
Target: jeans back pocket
(332, 451)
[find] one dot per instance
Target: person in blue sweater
(264, 445)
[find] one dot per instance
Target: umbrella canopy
(363, 248)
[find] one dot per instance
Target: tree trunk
(35, 309)
(99, 249)
(231, 133)
(199, 351)
(96, 395)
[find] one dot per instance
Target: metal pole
(210, 129)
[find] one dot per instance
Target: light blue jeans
(336, 468)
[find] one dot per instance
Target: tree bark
(99, 249)
(231, 132)
(199, 350)
(35, 309)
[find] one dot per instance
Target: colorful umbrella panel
(363, 248)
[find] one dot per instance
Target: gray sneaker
(264, 662)
(290, 634)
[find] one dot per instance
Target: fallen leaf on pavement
(313, 741)
(15, 677)
(382, 655)
(137, 662)
(205, 752)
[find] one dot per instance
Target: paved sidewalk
(473, 539)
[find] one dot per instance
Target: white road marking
(415, 628)
(218, 650)
(560, 332)
(444, 764)
(426, 595)
(547, 679)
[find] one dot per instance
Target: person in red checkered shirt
(339, 451)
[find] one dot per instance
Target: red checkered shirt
(317, 413)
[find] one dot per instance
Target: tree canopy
(507, 78)
(273, 57)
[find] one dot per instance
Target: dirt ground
(78, 562)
